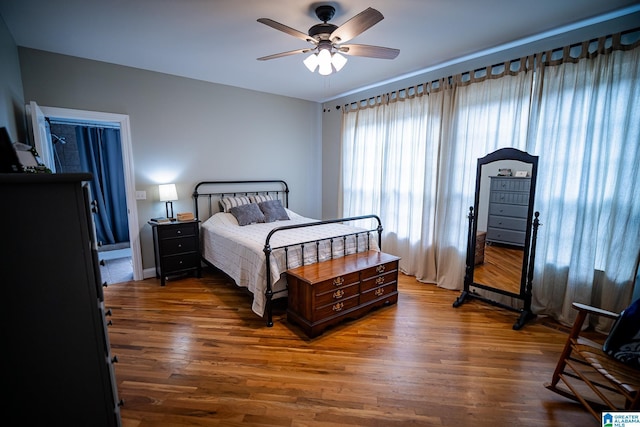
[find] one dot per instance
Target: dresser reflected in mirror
(501, 235)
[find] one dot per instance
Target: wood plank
(192, 353)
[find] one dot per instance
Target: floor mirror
(502, 233)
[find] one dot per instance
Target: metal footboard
(268, 249)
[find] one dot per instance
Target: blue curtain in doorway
(100, 154)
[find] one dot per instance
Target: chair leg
(566, 352)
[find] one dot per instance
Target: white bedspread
(238, 250)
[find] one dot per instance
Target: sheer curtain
(390, 158)
(587, 130)
(487, 113)
(412, 159)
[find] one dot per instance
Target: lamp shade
(168, 192)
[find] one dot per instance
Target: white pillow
(226, 203)
(259, 198)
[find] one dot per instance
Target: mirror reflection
(502, 224)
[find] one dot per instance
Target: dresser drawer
(516, 224)
(335, 308)
(336, 294)
(508, 210)
(178, 245)
(379, 292)
(377, 281)
(506, 236)
(511, 184)
(510, 198)
(177, 230)
(175, 263)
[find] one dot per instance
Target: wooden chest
(326, 293)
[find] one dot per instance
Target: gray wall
(11, 94)
(185, 130)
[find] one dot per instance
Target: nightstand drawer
(179, 245)
(177, 230)
(174, 263)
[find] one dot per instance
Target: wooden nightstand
(177, 248)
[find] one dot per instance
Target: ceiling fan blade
(280, 55)
(369, 51)
(356, 25)
(292, 32)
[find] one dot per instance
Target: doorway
(109, 120)
(95, 147)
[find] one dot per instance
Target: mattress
(239, 250)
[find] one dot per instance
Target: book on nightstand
(161, 220)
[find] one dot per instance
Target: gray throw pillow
(273, 211)
(247, 214)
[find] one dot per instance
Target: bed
(256, 255)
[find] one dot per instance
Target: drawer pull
(338, 307)
(179, 231)
(379, 291)
(338, 294)
(380, 269)
(379, 280)
(180, 245)
(338, 281)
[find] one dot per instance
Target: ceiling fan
(327, 40)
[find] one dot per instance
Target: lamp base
(169, 205)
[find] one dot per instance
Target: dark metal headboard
(213, 191)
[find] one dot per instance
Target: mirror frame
(526, 276)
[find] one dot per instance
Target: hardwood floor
(193, 353)
(502, 268)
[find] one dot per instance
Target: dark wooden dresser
(57, 362)
(177, 248)
(326, 293)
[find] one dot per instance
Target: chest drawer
(334, 283)
(336, 294)
(388, 290)
(377, 270)
(335, 308)
(379, 280)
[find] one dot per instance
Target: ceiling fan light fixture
(338, 61)
(324, 62)
(311, 62)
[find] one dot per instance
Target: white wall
(186, 131)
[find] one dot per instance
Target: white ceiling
(219, 40)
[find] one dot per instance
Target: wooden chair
(591, 376)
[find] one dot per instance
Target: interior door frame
(129, 176)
